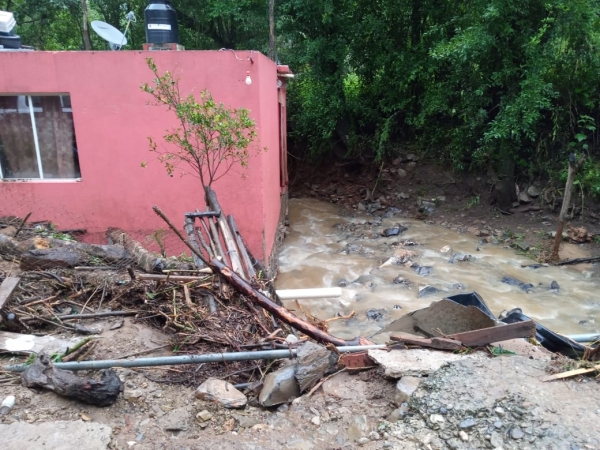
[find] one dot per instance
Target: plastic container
(7, 405)
(161, 23)
(12, 41)
(7, 22)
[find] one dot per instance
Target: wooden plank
(7, 288)
(436, 342)
(28, 343)
(571, 373)
(241, 247)
(500, 333)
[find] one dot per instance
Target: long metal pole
(584, 337)
(188, 359)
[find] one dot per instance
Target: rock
(395, 231)
(398, 413)
(176, 420)
(468, 423)
(363, 441)
(524, 198)
(460, 256)
(361, 207)
(279, 386)
(55, 435)
(498, 424)
(316, 420)
(375, 314)
(291, 339)
(464, 436)
(414, 362)
(391, 212)
(374, 436)
(401, 173)
(411, 157)
(533, 191)
(427, 290)
(446, 249)
(204, 416)
(437, 418)
(426, 206)
(422, 270)
(496, 440)
(358, 428)
(132, 394)
(516, 433)
(222, 392)
(246, 421)
(405, 388)
(403, 195)
(514, 282)
(312, 361)
(554, 287)
(500, 411)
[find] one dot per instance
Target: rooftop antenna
(116, 40)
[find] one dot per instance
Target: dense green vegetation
(513, 85)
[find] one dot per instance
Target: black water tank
(161, 23)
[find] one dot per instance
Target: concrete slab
(59, 435)
(415, 362)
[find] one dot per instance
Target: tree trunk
(573, 168)
(272, 30)
(87, 43)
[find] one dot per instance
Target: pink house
(74, 130)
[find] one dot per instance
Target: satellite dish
(114, 37)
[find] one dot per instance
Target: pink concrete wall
(112, 124)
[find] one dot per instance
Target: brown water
(313, 255)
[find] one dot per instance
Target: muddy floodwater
(326, 249)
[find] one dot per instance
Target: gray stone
(176, 420)
(464, 436)
(516, 433)
(401, 173)
(361, 207)
(204, 416)
(358, 428)
(533, 191)
(524, 198)
(222, 392)
(468, 423)
(246, 421)
(363, 441)
(500, 411)
(279, 387)
(437, 418)
(313, 361)
(405, 388)
(496, 440)
(403, 195)
(374, 436)
(60, 435)
(398, 413)
(498, 424)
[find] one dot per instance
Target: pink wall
(112, 123)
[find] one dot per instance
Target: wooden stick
(86, 316)
(188, 299)
(574, 166)
(210, 241)
(236, 263)
(7, 289)
(436, 342)
(495, 334)
(242, 249)
(22, 224)
(571, 373)
(189, 229)
(214, 235)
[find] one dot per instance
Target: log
(52, 258)
(7, 288)
(500, 333)
(190, 230)
(280, 312)
(8, 246)
(436, 342)
(142, 257)
(42, 375)
(574, 166)
(566, 262)
(249, 267)
(255, 262)
(236, 263)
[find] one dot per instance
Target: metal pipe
(584, 337)
(188, 359)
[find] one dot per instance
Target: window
(37, 137)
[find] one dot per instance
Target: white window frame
(25, 106)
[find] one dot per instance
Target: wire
(249, 58)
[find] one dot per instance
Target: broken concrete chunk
(280, 386)
(176, 420)
(222, 392)
(405, 388)
(414, 362)
(313, 361)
